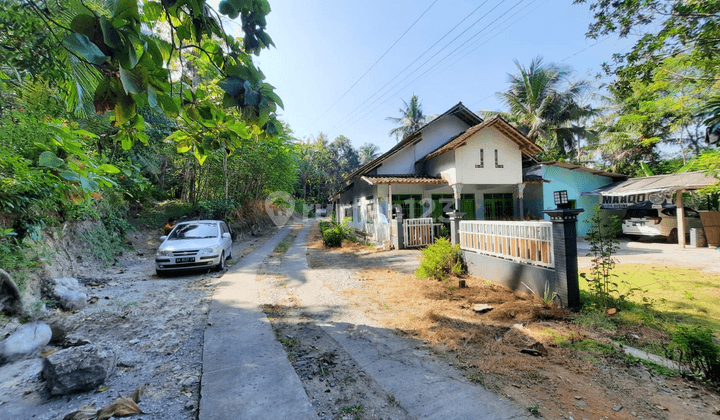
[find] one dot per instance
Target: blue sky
(323, 47)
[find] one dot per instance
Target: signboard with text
(653, 200)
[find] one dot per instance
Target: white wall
(444, 167)
(489, 140)
(433, 137)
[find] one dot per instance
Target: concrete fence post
(455, 218)
(400, 228)
(564, 231)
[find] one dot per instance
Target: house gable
(488, 157)
(433, 137)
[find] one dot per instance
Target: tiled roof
(402, 179)
(527, 147)
(574, 167)
(459, 111)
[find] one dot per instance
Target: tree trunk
(225, 173)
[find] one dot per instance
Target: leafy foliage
(699, 351)
(335, 233)
(545, 105)
(410, 120)
(439, 260)
(603, 245)
(670, 28)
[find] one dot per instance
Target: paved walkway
(425, 387)
(246, 372)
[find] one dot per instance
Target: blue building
(544, 178)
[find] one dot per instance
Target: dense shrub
(439, 260)
(332, 238)
(699, 352)
(334, 233)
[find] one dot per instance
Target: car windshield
(194, 231)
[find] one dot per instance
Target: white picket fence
(523, 242)
(418, 232)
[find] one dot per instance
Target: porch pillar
(564, 234)
(680, 213)
(400, 229)
(457, 188)
(389, 203)
(521, 202)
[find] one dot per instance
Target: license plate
(638, 223)
(185, 259)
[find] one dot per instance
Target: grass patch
(354, 410)
(558, 339)
(676, 296)
(283, 246)
(595, 318)
(591, 346)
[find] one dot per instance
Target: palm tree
(545, 105)
(411, 119)
(368, 152)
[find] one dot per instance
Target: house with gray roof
(457, 160)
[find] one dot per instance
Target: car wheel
(673, 237)
(634, 238)
(160, 273)
(221, 264)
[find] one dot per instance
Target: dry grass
(315, 241)
(487, 346)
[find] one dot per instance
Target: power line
(432, 67)
(377, 61)
(342, 123)
(584, 49)
(489, 33)
(472, 37)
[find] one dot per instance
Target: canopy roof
(658, 183)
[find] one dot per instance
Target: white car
(194, 244)
(659, 222)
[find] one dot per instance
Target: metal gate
(418, 232)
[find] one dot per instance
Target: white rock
(69, 293)
(27, 341)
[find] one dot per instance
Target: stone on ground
(78, 369)
(10, 299)
(27, 341)
(68, 293)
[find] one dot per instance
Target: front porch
(423, 205)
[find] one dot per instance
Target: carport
(659, 191)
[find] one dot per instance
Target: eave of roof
(341, 190)
(402, 179)
(669, 182)
(574, 167)
(459, 110)
(527, 147)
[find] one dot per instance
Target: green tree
(663, 111)
(544, 104)
(368, 152)
(410, 120)
(669, 28)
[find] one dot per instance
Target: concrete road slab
(246, 373)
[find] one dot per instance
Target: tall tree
(368, 152)
(669, 28)
(544, 103)
(410, 120)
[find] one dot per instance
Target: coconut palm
(411, 118)
(368, 152)
(545, 105)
